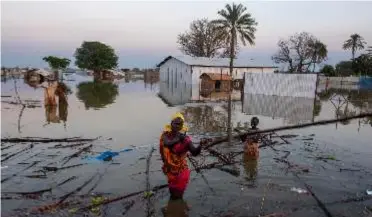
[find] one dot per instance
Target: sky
(144, 32)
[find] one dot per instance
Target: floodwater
(334, 161)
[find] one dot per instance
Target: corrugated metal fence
(278, 84)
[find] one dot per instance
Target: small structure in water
(214, 82)
(34, 77)
(109, 74)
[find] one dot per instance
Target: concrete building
(184, 73)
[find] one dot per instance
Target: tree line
(358, 66)
(300, 53)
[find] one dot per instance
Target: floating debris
(369, 192)
(299, 190)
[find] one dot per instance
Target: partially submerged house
(37, 75)
(185, 72)
(213, 82)
(109, 74)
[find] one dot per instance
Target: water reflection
(206, 118)
(97, 94)
(294, 109)
(250, 167)
(348, 102)
(176, 208)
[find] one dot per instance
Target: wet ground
(331, 163)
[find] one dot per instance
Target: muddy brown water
(334, 160)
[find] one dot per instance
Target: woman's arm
(195, 150)
(170, 142)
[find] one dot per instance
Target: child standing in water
(174, 147)
(251, 141)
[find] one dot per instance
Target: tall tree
(235, 22)
(319, 53)
(96, 56)
(299, 52)
(57, 63)
(354, 43)
(363, 65)
(202, 40)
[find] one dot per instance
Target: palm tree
(235, 21)
(355, 42)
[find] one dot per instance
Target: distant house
(37, 75)
(185, 72)
(109, 74)
(189, 69)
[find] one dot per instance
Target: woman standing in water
(174, 147)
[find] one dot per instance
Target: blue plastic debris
(107, 155)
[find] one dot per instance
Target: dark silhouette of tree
(344, 68)
(96, 56)
(354, 43)
(235, 22)
(299, 52)
(328, 70)
(97, 94)
(57, 63)
(363, 65)
(202, 40)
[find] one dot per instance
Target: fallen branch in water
(4, 148)
(14, 154)
(107, 201)
(15, 174)
(30, 192)
(20, 117)
(67, 180)
(43, 176)
(193, 163)
(64, 197)
(323, 122)
(67, 146)
(149, 205)
(98, 181)
(127, 207)
(46, 140)
(54, 169)
(219, 155)
(76, 154)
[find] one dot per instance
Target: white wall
(173, 70)
(175, 81)
(278, 84)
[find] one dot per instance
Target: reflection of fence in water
(294, 109)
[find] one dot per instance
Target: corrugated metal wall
(278, 84)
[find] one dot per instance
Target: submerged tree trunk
(229, 108)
